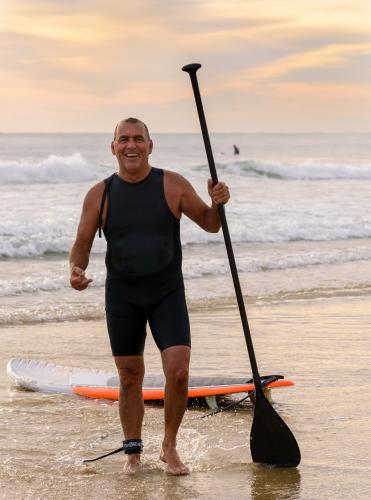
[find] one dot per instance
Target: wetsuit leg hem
(177, 344)
(126, 354)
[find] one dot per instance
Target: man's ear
(150, 146)
(113, 148)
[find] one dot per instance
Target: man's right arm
(80, 251)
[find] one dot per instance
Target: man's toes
(178, 470)
(131, 468)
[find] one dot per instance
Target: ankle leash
(129, 447)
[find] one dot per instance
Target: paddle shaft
(191, 70)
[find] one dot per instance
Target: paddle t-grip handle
(191, 69)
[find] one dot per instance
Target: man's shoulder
(95, 192)
(175, 179)
(97, 188)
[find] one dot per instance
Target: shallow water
(322, 344)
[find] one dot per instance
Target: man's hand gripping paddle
(271, 441)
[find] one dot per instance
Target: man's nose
(131, 142)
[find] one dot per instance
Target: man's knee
(178, 376)
(130, 378)
(176, 365)
(130, 373)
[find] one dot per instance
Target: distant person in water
(236, 150)
(139, 209)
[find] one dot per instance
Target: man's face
(132, 147)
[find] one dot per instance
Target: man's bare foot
(132, 464)
(175, 467)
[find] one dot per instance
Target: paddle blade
(271, 441)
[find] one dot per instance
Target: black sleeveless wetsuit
(144, 266)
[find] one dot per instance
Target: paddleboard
(100, 384)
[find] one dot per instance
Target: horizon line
(194, 133)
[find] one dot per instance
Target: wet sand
(322, 344)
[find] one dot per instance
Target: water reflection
(153, 484)
(272, 483)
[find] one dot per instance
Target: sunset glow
(267, 65)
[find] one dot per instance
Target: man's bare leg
(175, 362)
(131, 405)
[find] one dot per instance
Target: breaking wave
(53, 169)
(306, 170)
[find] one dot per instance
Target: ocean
(300, 223)
(299, 218)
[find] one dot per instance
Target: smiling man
(139, 209)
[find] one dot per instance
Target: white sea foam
(43, 282)
(56, 237)
(195, 267)
(301, 170)
(54, 169)
(201, 262)
(34, 239)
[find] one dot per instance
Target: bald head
(131, 120)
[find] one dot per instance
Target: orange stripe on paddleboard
(158, 394)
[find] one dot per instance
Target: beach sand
(321, 344)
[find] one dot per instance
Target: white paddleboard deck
(42, 376)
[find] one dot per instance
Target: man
(139, 209)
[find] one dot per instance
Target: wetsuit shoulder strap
(157, 171)
(107, 185)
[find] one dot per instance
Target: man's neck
(133, 177)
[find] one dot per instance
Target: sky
(267, 65)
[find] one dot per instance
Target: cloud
(85, 28)
(101, 56)
(263, 76)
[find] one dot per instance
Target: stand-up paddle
(271, 441)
